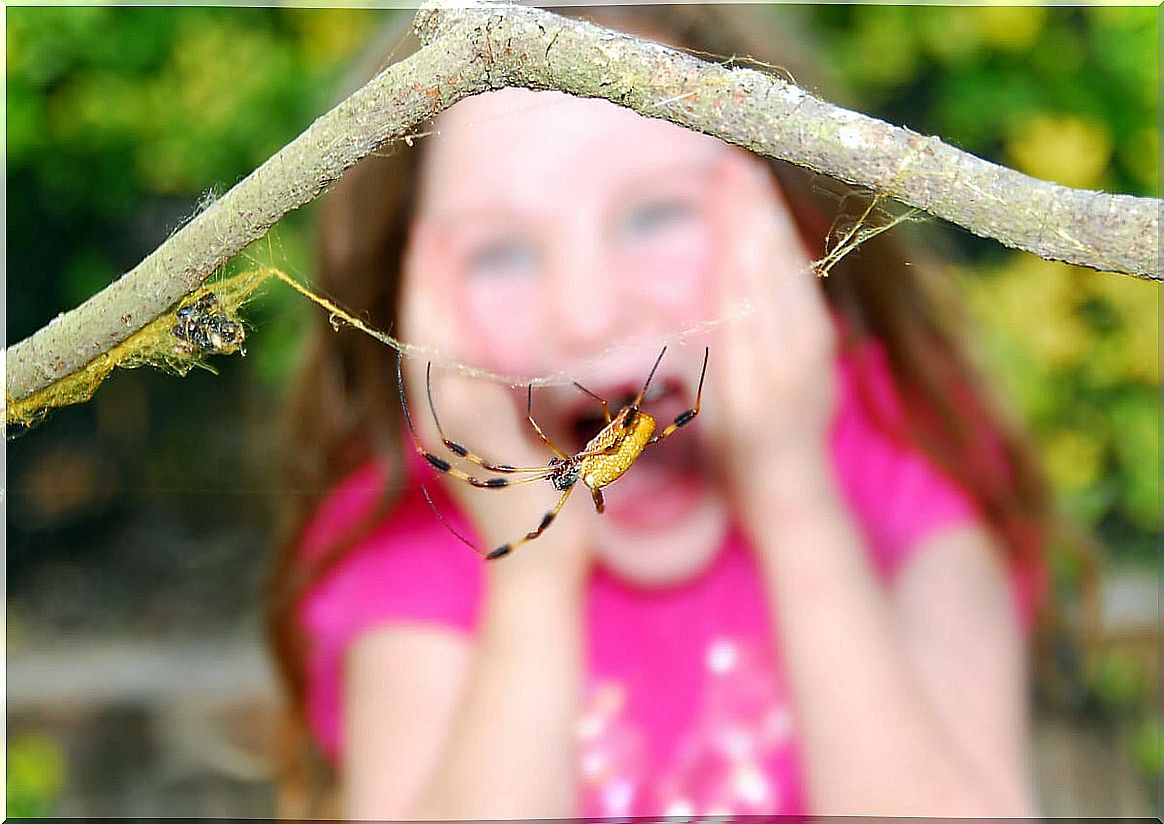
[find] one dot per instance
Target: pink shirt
(686, 709)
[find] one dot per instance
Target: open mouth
(667, 480)
(584, 418)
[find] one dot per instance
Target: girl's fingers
(772, 265)
(777, 348)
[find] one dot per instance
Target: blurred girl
(812, 598)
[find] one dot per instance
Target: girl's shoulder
(403, 569)
(404, 565)
(899, 495)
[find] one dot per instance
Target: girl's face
(569, 235)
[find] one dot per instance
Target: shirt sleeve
(407, 570)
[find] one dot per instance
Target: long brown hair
(343, 409)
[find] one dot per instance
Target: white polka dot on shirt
(722, 656)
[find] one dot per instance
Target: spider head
(565, 473)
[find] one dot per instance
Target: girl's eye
(655, 216)
(504, 256)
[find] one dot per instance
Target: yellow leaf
(1064, 149)
(1011, 28)
(1072, 458)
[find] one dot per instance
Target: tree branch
(472, 50)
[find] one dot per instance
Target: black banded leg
(684, 418)
(547, 519)
(643, 392)
(440, 464)
(463, 452)
(448, 526)
(600, 399)
(529, 415)
(599, 503)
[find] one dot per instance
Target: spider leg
(601, 400)
(448, 526)
(547, 519)
(440, 464)
(529, 414)
(599, 503)
(607, 450)
(684, 418)
(461, 451)
(643, 391)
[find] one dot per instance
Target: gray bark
(469, 51)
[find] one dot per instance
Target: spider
(603, 460)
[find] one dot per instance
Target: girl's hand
(490, 421)
(774, 375)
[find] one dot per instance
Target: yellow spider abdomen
(626, 444)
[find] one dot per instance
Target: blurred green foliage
(1148, 749)
(122, 120)
(1119, 685)
(1063, 94)
(36, 775)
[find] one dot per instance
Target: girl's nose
(590, 306)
